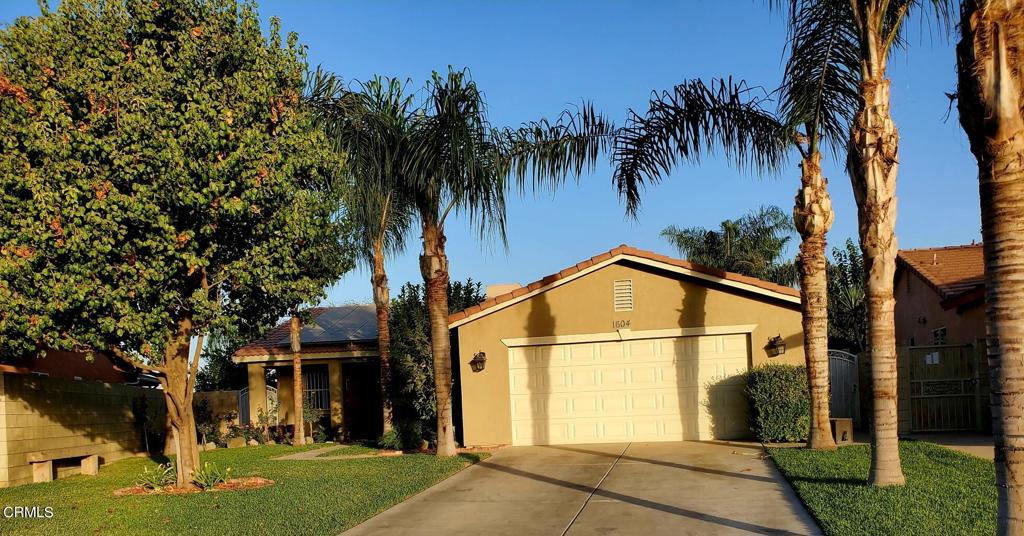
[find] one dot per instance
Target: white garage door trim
(636, 389)
(629, 335)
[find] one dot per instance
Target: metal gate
(243, 405)
(316, 388)
(844, 392)
(944, 394)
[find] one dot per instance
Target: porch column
(257, 391)
(334, 382)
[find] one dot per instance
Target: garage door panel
(646, 390)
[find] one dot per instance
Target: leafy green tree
(847, 309)
(412, 388)
(372, 127)
(754, 245)
(218, 371)
(162, 179)
(462, 165)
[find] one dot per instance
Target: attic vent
(622, 293)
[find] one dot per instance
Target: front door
(363, 413)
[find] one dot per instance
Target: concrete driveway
(648, 489)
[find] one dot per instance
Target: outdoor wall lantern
(776, 346)
(478, 361)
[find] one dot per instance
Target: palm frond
(819, 92)
(549, 152)
(691, 120)
(754, 245)
(369, 124)
(456, 166)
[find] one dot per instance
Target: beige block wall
(38, 413)
(584, 306)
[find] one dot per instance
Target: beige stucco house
(340, 370)
(626, 346)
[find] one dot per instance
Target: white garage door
(667, 389)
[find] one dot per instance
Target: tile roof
(621, 250)
(334, 326)
(951, 270)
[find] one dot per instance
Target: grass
(947, 492)
(350, 450)
(309, 497)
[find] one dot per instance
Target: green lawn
(947, 492)
(309, 497)
(350, 450)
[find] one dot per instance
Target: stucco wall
(662, 300)
(39, 413)
(916, 300)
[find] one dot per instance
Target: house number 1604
(620, 324)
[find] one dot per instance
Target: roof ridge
(940, 248)
(621, 249)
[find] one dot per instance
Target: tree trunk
(434, 267)
(177, 383)
(991, 104)
(872, 155)
(813, 217)
(299, 436)
(382, 301)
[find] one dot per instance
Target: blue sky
(533, 58)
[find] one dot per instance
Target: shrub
(780, 404)
(248, 432)
(163, 475)
(405, 435)
(209, 475)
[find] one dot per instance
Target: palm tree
(463, 165)
(751, 245)
(816, 102)
(371, 127)
(991, 105)
(872, 161)
(295, 336)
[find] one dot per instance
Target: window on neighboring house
(939, 336)
(622, 295)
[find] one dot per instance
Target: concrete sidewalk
(641, 488)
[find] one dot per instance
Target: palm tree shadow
(539, 360)
(663, 463)
(637, 501)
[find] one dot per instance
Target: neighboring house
(340, 369)
(940, 296)
(626, 346)
(940, 328)
(62, 414)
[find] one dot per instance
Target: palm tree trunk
(991, 103)
(813, 216)
(434, 267)
(295, 331)
(381, 300)
(874, 144)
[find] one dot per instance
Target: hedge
(780, 404)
